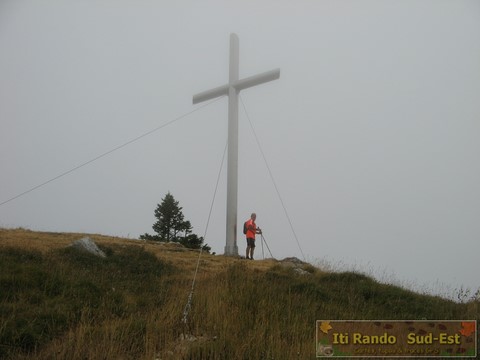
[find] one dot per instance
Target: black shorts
(251, 242)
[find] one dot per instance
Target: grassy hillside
(60, 303)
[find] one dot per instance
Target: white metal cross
(232, 89)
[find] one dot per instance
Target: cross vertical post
(231, 247)
(232, 89)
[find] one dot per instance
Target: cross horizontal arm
(238, 85)
(210, 94)
(257, 79)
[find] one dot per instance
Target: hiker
(250, 229)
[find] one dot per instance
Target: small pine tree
(172, 226)
(170, 220)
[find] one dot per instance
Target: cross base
(231, 250)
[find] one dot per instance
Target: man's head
(253, 216)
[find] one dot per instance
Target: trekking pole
(263, 238)
(263, 254)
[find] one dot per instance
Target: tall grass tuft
(69, 293)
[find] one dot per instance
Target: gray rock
(88, 245)
(301, 271)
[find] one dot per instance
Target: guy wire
(272, 178)
(106, 153)
(188, 305)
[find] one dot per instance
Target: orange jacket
(251, 229)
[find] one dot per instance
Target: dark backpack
(245, 227)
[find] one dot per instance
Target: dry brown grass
(241, 309)
(170, 252)
(161, 330)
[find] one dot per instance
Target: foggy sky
(371, 132)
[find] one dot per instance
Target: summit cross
(232, 89)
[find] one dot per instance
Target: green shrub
(44, 295)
